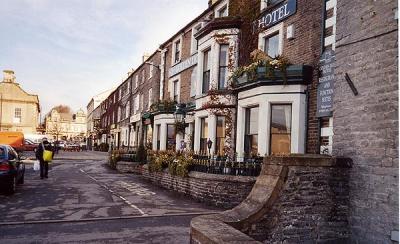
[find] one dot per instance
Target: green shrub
(177, 163)
(114, 159)
(141, 154)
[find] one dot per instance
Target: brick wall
(305, 48)
(185, 76)
(366, 126)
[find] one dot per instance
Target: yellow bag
(47, 156)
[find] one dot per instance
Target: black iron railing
(223, 166)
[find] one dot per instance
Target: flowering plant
(261, 59)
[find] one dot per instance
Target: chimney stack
(211, 2)
(145, 57)
(8, 76)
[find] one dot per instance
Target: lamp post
(179, 114)
(209, 145)
(156, 66)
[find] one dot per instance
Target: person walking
(40, 153)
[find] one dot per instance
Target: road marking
(55, 221)
(117, 195)
(135, 188)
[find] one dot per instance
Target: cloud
(66, 51)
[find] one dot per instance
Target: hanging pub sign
(325, 86)
(275, 15)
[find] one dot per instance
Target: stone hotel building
(328, 85)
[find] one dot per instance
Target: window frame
(271, 31)
(220, 67)
(267, 38)
(175, 94)
(270, 125)
(158, 139)
(176, 59)
(218, 138)
(194, 48)
(222, 9)
(247, 133)
(203, 140)
(18, 111)
(171, 146)
(206, 72)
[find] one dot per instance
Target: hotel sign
(184, 65)
(275, 15)
(326, 83)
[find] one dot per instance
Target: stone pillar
(241, 125)
(163, 137)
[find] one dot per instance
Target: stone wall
(366, 125)
(313, 206)
(223, 191)
(296, 199)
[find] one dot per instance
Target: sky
(67, 51)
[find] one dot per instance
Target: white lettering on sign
(275, 16)
(183, 66)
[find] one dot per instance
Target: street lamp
(150, 63)
(209, 145)
(179, 114)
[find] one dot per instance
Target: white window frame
(151, 69)
(136, 81)
(127, 109)
(119, 114)
(143, 75)
(275, 29)
(18, 120)
(218, 10)
(193, 45)
(180, 39)
(263, 5)
(150, 102)
(176, 91)
(136, 108)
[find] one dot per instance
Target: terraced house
(205, 99)
(253, 78)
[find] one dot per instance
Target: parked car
(12, 169)
(30, 145)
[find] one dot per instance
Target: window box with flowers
(271, 71)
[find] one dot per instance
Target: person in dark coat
(44, 166)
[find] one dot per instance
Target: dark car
(30, 145)
(12, 169)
